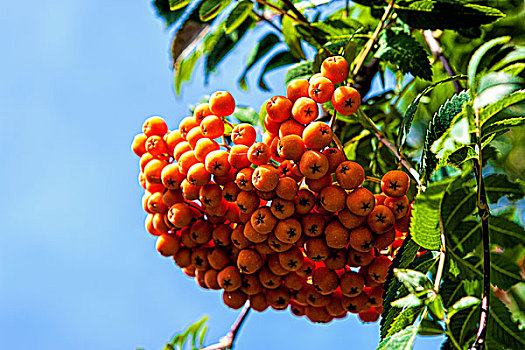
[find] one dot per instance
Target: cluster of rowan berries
(285, 221)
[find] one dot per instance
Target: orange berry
(356, 258)
(156, 145)
(186, 125)
(290, 127)
(360, 201)
(218, 258)
(395, 183)
(346, 100)
(203, 147)
(279, 108)
(356, 304)
(272, 261)
(399, 206)
(138, 145)
(244, 179)
(335, 308)
(173, 139)
(155, 203)
(229, 278)
(290, 168)
(286, 188)
(154, 126)
(304, 201)
(313, 224)
(180, 149)
(349, 175)
(349, 219)
(221, 235)
(288, 231)
(183, 257)
(193, 136)
(403, 224)
(337, 236)
(317, 135)
(243, 134)
(251, 285)
(305, 110)
(210, 195)
(259, 153)
(324, 280)
(271, 126)
(258, 302)
(222, 103)
(153, 171)
(263, 220)
(313, 165)
(268, 279)
(276, 245)
(296, 89)
(293, 281)
(336, 259)
(189, 192)
(227, 178)
(316, 249)
(369, 316)
(252, 235)
(249, 261)
(291, 147)
(230, 192)
(238, 157)
(332, 198)
(351, 284)
(234, 300)
(197, 175)
(382, 241)
(313, 77)
(335, 68)
(171, 176)
(278, 298)
(201, 231)
(321, 89)
(282, 209)
(212, 127)
(268, 138)
(210, 279)
(378, 268)
(168, 245)
(238, 239)
(380, 198)
(381, 219)
(201, 111)
(361, 239)
(217, 163)
(314, 298)
(144, 160)
(171, 197)
(186, 161)
(265, 178)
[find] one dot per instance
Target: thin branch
(366, 50)
(382, 138)
(295, 11)
(264, 19)
(277, 9)
(435, 48)
(229, 339)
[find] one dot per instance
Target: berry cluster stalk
(229, 339)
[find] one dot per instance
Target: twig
(435, 48)
(277, 9)
(366, 50)
(264, 19)
(229, 339)
(381, 137)
(295, 11)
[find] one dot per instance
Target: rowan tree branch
(229, 339)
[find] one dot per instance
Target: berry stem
(227, 122)
(381, 137)
(360, 59)
(229, 339)
(194, 206)
(373, 179)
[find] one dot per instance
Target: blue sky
(77, 269)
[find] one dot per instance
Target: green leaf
(502, 126)
(330, 30)
(209, 9)
(413, 280)
(457, 156)
(505, 233)
(490, 111)
(504, 273)
(461, 304)
(402, 340)
(246, 115)
(436, 308)
(178, 4)
(514, 69)
(240, 12)
(409, 301)
(280, 59)
(458, 202)
(292, 37)
(495, 86)
(425, 223)
(262, 115)
(350, 51)
(430, 327)
(170, 15)
(428, 14)
(260, 49)
(184, 69)
(298, 71)
(501, 328)
(498, 186)
(439, 124)
(402, 50)
(404, 129)
(216, 52)
(477, 57)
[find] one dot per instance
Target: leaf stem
(264, 19)
(381, 137)
(277, 9)
(436, 50)
(360, 59)
(229, 339)
(452, 339)
(295, 11)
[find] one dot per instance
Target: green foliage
(262, 47)
(170, 15)
(299, 70)
(240, 12)
(430, 14)
(501, 328)
(246, 115)
(439, 123)
(292, 37)
(403, 50)
(196, 332)
(280, 59)
(211, 8)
